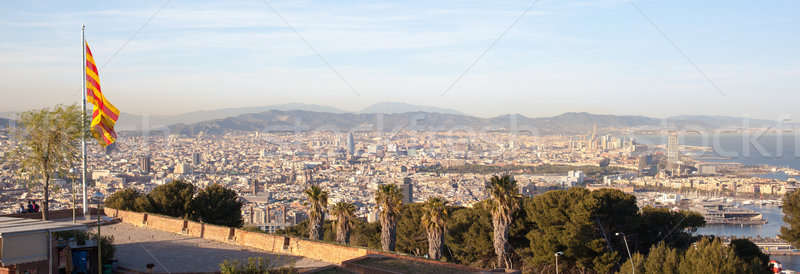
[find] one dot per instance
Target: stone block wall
(217, 233)
(165, 223)
(322, 251)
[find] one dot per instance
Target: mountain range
(567, 123)
(391, 116)
(129, 121)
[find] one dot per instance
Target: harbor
(758, 220)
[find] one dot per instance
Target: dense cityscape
(389, 137)
(270, 170)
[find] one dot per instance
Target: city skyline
(358, 136)
(256, 54)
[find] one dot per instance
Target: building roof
(11, 225)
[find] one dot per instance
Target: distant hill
(296, 120)
(396, 107)
(285, 117)
(128, 121)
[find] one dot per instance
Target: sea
(749, 149)
(753, 149)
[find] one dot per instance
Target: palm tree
(503, 201)
(433, 219)
(388, 199)
(345, 213)
(317, 202)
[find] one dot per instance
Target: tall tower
(407, 189)
(351, 144)
(592, 142)
(144, 164)
(673, 152)
(196, 158)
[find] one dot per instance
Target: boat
(716, 212)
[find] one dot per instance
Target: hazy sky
(598, 56)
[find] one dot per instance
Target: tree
(582, 224)
(171, 199)
(217, 205)
(48, 145)
(662, 259)
(411, 237)
(433, 220)
(638, 264)
(344, 213)
(791, 216)
(317, 202)
(661, 224)
(751, 254)
(389, 200)
(712, 256)
(366, 234)
(468, 237)
(123, 200)
(503, 201)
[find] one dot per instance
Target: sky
(708, 57)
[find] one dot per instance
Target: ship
(716, 212)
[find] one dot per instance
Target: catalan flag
(105, 115)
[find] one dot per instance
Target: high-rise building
(351, 144)
(673, 151)
(407, 189)
(196, 159)
(144, 164)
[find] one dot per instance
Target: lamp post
(99, 196)
(558, 254)
(72, 173)
(625, 239)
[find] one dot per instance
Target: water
(774, 150)
(771, 229)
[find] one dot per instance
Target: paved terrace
(171, 253)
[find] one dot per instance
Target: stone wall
(164, 223)
(322, 251)
(194, 229)
(217, 233)
(327, 252)
(134, 218)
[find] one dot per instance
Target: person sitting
(21, 208)
(35, 207)
(30, 207)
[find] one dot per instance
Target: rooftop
(11, 225)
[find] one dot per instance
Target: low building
(29, 245)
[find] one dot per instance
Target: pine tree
(791, 216)
(662, 260)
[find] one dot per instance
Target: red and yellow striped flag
(105, 115)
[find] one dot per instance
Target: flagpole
(83, 120)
